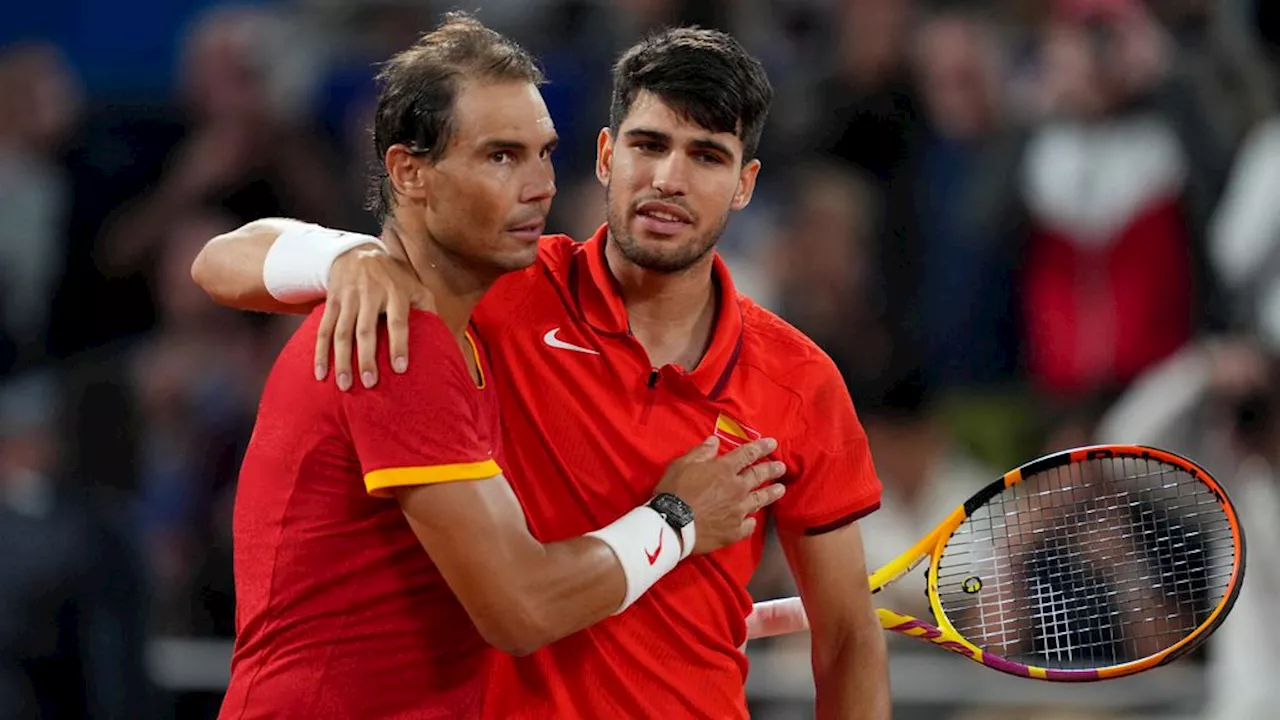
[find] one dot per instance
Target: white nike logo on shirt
(552, 341)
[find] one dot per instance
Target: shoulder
(820, 412)
(427, 329)
(435, 364)
(782, 351)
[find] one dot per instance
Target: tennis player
(340, 612)
(610, 356)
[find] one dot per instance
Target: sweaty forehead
(510, 110)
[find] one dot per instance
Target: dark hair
(705, 75)
(417, 89)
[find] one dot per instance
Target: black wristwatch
(679, 516)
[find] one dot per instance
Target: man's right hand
(724, 492)
(364, 284)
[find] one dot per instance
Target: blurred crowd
(1016, 225)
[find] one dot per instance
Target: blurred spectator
(74, 592)
(1114, 189)
(39, 111)
(868, 105)
(827, 284)
(239, 149)
(1244, 238)
(966, 276)
(868, 113)
(232, 145)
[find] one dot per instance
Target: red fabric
(1097, 316)
(341, 613)
(587, 438)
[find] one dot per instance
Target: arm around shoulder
(272, 265)
(422, 440)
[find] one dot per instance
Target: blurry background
(1017, 225)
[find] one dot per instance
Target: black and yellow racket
(1083, 565)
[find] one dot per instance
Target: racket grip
(776, 617)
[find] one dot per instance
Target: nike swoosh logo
(552, 341)
(653, 556)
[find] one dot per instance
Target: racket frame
(787, 615)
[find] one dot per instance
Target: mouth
(531, 230)
(662, 218)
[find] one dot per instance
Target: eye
(709, 158)
(502, 157)
(649, 147)
(547, 152)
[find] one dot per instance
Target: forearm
(521, 593)
(273, 265)
(850, 665)
(851, 675)
(229, 267)
(577, 583)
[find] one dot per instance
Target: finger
(367, 341)
(705, 450)
(754, 501)
(761, 473)
(343, 332)
(760, 499)
(324, 334)
(747, 529)
(748, 454)
(768, 495)
(398, 332)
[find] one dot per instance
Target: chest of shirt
(590, 426)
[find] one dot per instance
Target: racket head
(1088, 564)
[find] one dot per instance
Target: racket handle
(776, 617)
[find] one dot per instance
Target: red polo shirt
(589, 426)
(340, 612)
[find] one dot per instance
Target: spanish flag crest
(732, 433)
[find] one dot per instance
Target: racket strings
(1089, 564)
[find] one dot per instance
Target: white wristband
(296, 269)
(646, 546)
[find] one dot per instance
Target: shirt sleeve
(831, 479)
(420, 427)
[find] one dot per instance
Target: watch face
(676, 512)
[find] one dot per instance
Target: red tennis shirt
(340, 612)
(589, 427)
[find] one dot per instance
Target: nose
(542, 185)
(670, 176)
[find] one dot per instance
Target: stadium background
(1017, 225)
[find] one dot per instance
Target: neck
(671, 314)
(455, 286)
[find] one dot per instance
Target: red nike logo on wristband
(653, 556)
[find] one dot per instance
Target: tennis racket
(1087, 564)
